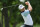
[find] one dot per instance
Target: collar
(22, 11)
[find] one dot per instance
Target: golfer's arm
(29, 7)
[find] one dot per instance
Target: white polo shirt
(27, 17)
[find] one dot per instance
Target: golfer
(28, 22)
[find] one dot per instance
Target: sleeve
(26, 12)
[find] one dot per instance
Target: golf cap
(21, 6)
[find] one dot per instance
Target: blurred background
(10, 15)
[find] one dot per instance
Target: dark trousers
(28, 26)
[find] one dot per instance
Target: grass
(0, 16)
(37, 25)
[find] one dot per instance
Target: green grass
(37, 25)
(0, 17)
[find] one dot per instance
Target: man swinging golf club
(28, 22)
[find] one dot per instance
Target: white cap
(21, 6)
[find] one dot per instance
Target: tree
(5, 11)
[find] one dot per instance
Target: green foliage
(36, 10)
(16, 16)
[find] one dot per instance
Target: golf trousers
(28, 26)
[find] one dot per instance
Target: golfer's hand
(29, 6)
(27, 3)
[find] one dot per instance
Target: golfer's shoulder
(27, 10)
